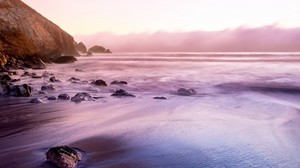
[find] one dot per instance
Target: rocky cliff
(27, 35)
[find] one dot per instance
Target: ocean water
(245, 113)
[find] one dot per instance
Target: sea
(246, 112)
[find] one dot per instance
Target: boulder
(122, 93)
(27, 39)
(65, 60)
(18, 90)
(53, 79)
(48, 88)
(97, 49)
(119, 83)
(82, 97)
(186, 92)
(80, 47)
(99, 82)
(51, 98)
(63, 97)
(63, 156)
(160, 98)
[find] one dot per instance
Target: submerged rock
(121, 93)
(51, 98)
(64, 97)
(48, 88)
(65, 60)
(100, 82)
(53, 79)
(160, 98)
(186, 92)
(63, 156)
(82, 97)
(36, 101)
(119, 83)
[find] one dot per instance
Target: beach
(245, 113)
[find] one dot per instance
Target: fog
(242, 39)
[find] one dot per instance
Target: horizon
(134, 26)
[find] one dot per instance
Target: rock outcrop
(81, 48)
(98, 49)
(26, 35)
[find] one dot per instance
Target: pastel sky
(178, 25)
(136, 16)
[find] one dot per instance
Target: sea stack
(29, 39)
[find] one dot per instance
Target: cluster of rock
(81, 48)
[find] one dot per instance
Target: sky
(122, 18)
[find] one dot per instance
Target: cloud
(242, 39)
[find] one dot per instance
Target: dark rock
(97, 49)
(186, 92)
(48, 88)
(26, 73)
(82, 97)
(100, 82)
(78, 70)
(65, 60)
(27, 38)
(160, 98)
(77, 81)
(53, 79)
(108, 51)
(121, 93)
(119, 83)
(5, 78)
(51, 98)
(80, 47)
(89, 53)
(36, 100)
(63, 97)
(18, 90)
(63, 156)
(15, 80)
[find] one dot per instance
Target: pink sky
(141, 22)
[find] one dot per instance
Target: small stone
(186, 92)
(63, 156)
(160, 98)
(51, 98)
(35, 76)
(100, 82)
(121, 93)
(48, 88)
(82, 97)
(119, 83)
(36, 100)
(42, 92)
(53, 79)
(63, 97)
(78, 70)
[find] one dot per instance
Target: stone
(53, 79)
(82, 97)
(186, 92)
(27, 39)
(48, 88)
(36, 101)
(122, 93)
(64, 97)
(51, 98)
(63, 156)
(89, 53)
(18, 90)
(35, 76)
(160, 98)
(80, 47)
(65, 60)
(97, 49)
(119, 83)
(108, 51)
(100, 82)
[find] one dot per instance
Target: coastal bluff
(29, 39)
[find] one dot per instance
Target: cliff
(27, 35)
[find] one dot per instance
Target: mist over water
(246, 112)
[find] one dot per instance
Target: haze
(131, 18)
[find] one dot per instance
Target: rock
(89, 53)
(121, 93)
(80, 47)
(15, 80)
(160, 98)
(46, 74)
(78, 70)
(18, 90)
(51, 98)
(100, 82)
(48, 88)
(36, 100)
(77, 81)
(27, 39)
(119, 83)
(97, 49)
(35, 76)
(4, 79)
(108, 51)
(63, 97)
(65, 60)
(186, 92)
(53, 79)
(82, 97)
(63, 156)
